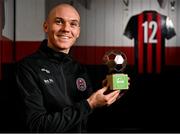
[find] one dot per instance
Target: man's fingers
(112, 94)
(104, 89)
(113, 98)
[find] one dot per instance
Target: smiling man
(62, 27)
(55, 89)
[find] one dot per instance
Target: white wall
(178, 22)
(8, 30)
(30, 15)
(102, 25)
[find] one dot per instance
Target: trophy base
(118, 81)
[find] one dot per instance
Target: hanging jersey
(149, 30)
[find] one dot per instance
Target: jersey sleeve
(129, 32)
(170, 31)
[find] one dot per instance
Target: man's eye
(59, 21)
(74, 24)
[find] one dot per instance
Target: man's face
(62, 28)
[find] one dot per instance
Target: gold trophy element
(116, 61)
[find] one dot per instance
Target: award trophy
(116, 62)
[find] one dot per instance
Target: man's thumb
(104, 89)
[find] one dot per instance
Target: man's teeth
(64, 37)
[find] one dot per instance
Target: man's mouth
(64, 37)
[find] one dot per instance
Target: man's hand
(99, 98)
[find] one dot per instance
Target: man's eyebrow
(59, 18)
(74, 20)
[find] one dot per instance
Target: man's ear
(45, 27)
(79, 32)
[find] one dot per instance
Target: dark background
(150, 105)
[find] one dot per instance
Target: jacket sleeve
(38, 119)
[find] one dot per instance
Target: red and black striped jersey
(149, 30)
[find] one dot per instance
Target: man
(56, 90)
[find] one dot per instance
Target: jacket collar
(50, 53)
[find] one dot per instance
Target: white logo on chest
(48, 81)
(45, 70)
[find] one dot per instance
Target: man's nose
(66, 27)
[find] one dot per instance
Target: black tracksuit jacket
(54, 89)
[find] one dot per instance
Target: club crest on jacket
(81, 84)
